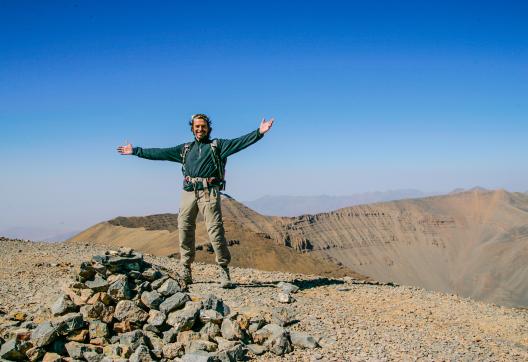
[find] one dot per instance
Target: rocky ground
(352, 320)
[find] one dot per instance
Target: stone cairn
(122, 308)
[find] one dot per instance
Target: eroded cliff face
(366, 226)
(474, 243)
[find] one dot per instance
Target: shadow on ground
(313, 283)
(302, 284)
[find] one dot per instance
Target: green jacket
(199, 161)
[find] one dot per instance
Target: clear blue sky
(368, 96)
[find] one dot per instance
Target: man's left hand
(265, 126)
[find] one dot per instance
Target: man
(203, 162)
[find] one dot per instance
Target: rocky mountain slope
(472, 243)
(250, 246)
(352, 320)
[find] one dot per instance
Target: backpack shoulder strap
(185, 149)
(219, 163)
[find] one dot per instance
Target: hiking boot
(225, 278)
(186, 274)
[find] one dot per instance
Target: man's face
(200, 128)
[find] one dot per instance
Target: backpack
(219, 163)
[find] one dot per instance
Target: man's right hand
(125, 150)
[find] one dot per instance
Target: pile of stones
(121, 307)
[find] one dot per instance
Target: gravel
(350, 320)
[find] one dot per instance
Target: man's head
(200, 126)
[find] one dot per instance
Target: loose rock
(303, 340)
(63, 305)
(44, 334)
(183, 320)
(288, 288)
(127, 310)
(174, 302)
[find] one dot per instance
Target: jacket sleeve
(229, 147)
(161, 154)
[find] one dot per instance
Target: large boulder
(98, 284)
(175, 301)
(183, 320)
(151, 300)
(44, 334)
(169, 287)
(156, 318)
(63, 304)
(127, 310)
(69, 322)
(120, 289)
(119, 263)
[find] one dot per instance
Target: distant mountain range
(472, 243)
(284, 205)
(38, 233)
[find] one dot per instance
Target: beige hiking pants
(208, 203)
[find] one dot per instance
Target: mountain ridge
(471, 243)
(287, 205)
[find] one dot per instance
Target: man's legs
(186, 230)
(211, 208)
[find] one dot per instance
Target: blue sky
(368, 96)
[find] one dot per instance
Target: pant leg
(187, 226)
(211, 209)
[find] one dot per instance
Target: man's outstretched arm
(229, 147)
(125, 150)
(161, 154)
(265, 126)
